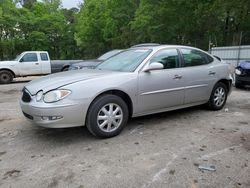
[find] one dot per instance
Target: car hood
(245, 64)
(58, 80)
(7, 62)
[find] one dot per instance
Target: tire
(107, 126)
(6, 77)
(218, 97)
(65, 69)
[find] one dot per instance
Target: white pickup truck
(28, 63)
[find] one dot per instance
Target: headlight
(56, 95)
(237, 71)
(39, 96)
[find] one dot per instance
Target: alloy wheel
(110, 117)
(219, 96)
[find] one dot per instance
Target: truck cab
(28, 63)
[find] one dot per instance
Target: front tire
(107, 116)
(218, 97)
(6, 77)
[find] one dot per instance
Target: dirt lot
(163, 150)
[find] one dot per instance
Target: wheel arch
(120, 94)
(64, 67)
(227, 82)
(6, 69)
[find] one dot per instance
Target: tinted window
(209, 58)
(195, 57)
(169, 58)
(217, 57)
(44, 57)
(29, 57)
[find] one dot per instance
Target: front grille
(28, 116)
(26, 96)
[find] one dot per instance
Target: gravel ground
(162, 150)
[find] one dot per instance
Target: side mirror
(21, 60)
(154, 66)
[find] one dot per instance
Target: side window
(209, 58)
(195, 58)
(168, 57)
(30, 57)
(44, 57)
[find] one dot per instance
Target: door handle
(211, 73)
(36, 63)
(176, 77)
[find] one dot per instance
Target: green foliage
(90, 26)
(102, 25)
(28, 3)
(40, 26)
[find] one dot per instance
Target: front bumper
(68, 114)
(244, 80)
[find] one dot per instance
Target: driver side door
(29, 64)
(161, 89)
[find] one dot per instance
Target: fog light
(51, 118)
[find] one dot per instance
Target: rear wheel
(107, 116)
(218, 97)
(6, 77)
(65, 69)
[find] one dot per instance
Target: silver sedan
(138, 81)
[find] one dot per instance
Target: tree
(117, 17)
(102, 25)
(8, 28)
(89, 29)
(28, 3)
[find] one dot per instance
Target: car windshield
(108, 55)
(126, 61)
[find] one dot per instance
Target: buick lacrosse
(138, 81)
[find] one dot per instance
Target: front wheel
(107, 116)
(218, 97)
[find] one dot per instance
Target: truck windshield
(126, 61)
(18, 57)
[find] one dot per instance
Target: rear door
(45, 63)
(159, 89)
(29, 64)
(199, 74)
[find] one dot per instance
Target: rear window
(193, 57)
(44, 57)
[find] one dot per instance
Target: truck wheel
(218, 97)
(6, 77)
(65, 69)
(107, 116)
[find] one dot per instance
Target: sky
(71, 3)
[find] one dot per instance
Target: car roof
(35, 52)
(159, 47)
(145, 45)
